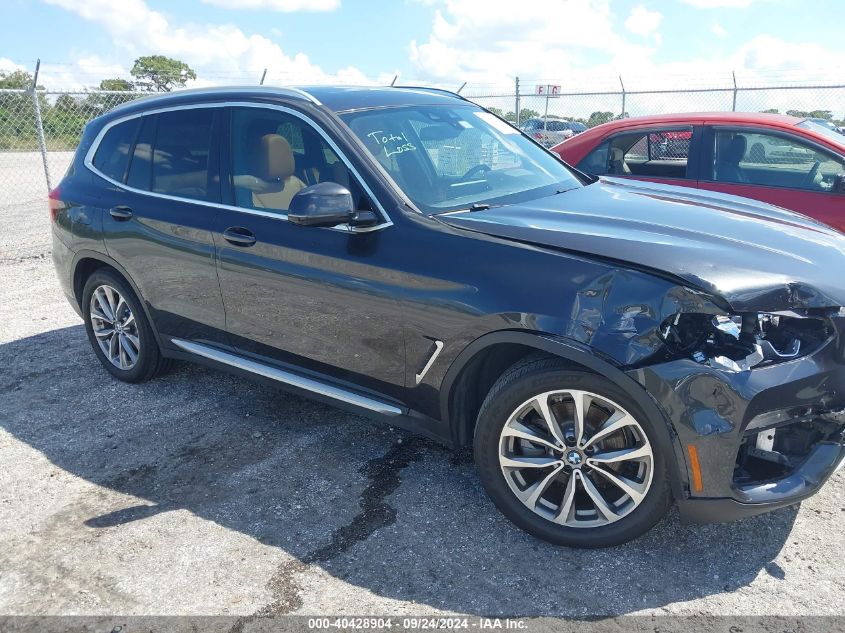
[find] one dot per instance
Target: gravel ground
(204, 494)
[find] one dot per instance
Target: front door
(778, 168)
(319, 298)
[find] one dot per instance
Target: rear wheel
(569, 457)
(118, 329)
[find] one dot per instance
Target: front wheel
(569, 457)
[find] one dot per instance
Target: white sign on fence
(548, 90)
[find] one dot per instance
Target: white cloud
(718, 30)
(720, 4)
(643, 22)
(484, 41)
(488, 48)
(220, 53)
(286, 6)
(7, 65)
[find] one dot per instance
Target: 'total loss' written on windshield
(391, 142)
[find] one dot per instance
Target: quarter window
(112, 154)
(182, 153)
(772, 160)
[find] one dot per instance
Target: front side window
(452, 157)
(649, 153)
(112, 154)
(181, 155)
(774, 160)
(276, 154)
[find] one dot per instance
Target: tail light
(538, 135)
(54, 203)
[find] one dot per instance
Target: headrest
(732, 151)
(275, 158)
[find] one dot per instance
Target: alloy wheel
(115, 327)
(576, 458)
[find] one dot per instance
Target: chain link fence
(544, 104)
(40, 129)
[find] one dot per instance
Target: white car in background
(551, 131)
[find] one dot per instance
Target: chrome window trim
(287, 377)
(89, 163)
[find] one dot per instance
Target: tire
(552, 502)
(136, 334)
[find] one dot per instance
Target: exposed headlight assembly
(739, 342)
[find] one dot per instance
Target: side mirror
(324, 204)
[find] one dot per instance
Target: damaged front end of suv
(757, 403)
(727, 313)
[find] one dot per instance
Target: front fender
(584, 356)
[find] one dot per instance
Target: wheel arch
(460, 375)
(86, 262)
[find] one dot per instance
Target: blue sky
(484, 42)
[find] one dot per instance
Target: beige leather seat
(276, 167)
(617, 162)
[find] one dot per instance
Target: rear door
(665, 154)
(776, 167)
(159, 215)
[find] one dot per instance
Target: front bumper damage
(761, 438)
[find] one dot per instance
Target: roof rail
(289, 91)
(430, 89)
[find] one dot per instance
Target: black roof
(336, 98)
(343, 98)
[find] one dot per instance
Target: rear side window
(181, 155)
(112, 155)
(648, 153)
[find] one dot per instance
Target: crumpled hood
(754, 255)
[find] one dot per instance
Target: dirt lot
(201, 493)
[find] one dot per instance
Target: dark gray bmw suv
(606, 347)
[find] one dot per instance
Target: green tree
(812, 114)
(117, 84)
(528, 113)
(597, 118)
(66, 103)
(157, 73)
(15, 80)
(102, 103)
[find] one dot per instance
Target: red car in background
(783, 160)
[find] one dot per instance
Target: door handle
(239, 236)
(120, 212)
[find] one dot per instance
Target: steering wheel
(810, 178)
(481, 169)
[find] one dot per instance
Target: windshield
(453, 157)
(830, 134)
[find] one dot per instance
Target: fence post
(39, 126)
(516, 105)
(733, 108)
(622, 114)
